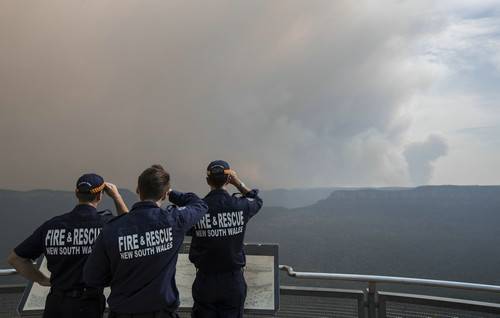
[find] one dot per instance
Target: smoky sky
(421, 156)
(291, 93)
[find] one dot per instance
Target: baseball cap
(90, 183)
(218, 168)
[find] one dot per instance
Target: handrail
(364, 278)
(389, 280)
(8, 272)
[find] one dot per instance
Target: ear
(138, 193)
(164, 197)
(208, 182)
(99, 197)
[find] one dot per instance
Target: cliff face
(295, 198)
(441, 232)
(427, 195)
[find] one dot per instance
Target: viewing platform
(368, 301)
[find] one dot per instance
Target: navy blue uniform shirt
(217, 244)
(136, 254)
(66, 241)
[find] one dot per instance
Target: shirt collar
(84, 208)
(218, 192)
(144, 205)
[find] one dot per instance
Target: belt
(235, 270)
(75, 293)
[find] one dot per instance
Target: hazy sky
(292, 93)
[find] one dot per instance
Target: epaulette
(105, 212)
(116, 218)
(173, 207)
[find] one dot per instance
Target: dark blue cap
(90, 183)
(218, 168)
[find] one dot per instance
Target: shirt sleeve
(33, 246)
(252, 203)
(97, 269)
(189, 211)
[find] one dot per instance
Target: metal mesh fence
(9, 299)
(400, 310)
(298, 302)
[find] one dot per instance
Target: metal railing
(373, 279)
(375, 304)
(8, 272)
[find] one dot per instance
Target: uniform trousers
(74, 304)
(219, 295)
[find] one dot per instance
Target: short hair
(153, 183)
(86, 197)
(218, 181)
